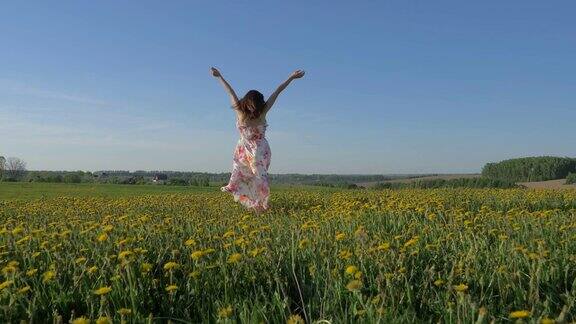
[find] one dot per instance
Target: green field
(32, 190)
(111, 253)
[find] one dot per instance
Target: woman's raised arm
(270, 102)
(226, 85)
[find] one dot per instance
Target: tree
(2, 166)
(15, 168)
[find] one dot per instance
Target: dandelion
(124, 311)
(81, 320)
(234, 258)
(354, 285)
(102, 237)
(190, 242)
(48, 276)
(345, 254)
(103, 290)
(169, 266)
(520, 314)
(24, 289)
(196, 255)
(80, 260)
(145, 267)
(411, 241)
(5, 284)
(351, 270)
(461, 287)
(225, 312)
(103, 320)
(9, 269)
(124, 254)
(339, 237)
(171, 288)
(383, 247)
(439, 282)
(295, 319)
(31, 272)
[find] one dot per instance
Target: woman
(249, 180)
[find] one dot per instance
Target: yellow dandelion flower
(354, 285)
(48, 276)
(24, 289)
(345, 254)
(196, 255)
(103, 290)
(439, 282)
(102, 237)
(520, 314)
(169, 266)
(546, 320)
(80, 260)
(383, 247)
(234, 258)
(351, 270)
(171, 288)
(81, 320)
(461, 287)
(339, 237)
(295, 319)
(411, 241)
(103, 320)
(124, 311)
(225, 312)
(31, 272)
(124, 254)
(5, 284)
(190, 242)
(145, 267)
(9, 269)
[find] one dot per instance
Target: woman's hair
(252, 105)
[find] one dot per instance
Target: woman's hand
(215, 72)
(297, 74)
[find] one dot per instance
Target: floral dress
(249, 180)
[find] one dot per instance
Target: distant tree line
(571, 178)
(528, 169)
(179, 178)
(12, 169)
(480, 182)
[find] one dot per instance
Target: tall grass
(450, 255)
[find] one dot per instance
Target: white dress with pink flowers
(249, 180)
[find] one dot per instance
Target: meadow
(409, 255)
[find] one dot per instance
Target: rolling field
(143, 254)
(34, 190)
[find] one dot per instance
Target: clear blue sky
(391, 86)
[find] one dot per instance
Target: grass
(33, 190)
(402, 256)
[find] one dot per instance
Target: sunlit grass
(406, 256)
